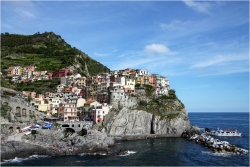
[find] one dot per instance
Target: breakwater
(215, 144)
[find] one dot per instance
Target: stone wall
(21, 110)
(129, 102)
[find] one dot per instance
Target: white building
(100, 111)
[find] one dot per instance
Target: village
(79, 98)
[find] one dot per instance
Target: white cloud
(28, 14)
(7, 26)
(219, 61)
(221, 65)
(100, 54)
(156, 48)
(202, 7)
(175, 25)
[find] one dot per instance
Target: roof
(89, 102)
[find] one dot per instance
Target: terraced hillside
(47, 51)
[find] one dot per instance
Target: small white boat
(220, 132)
(27, 133)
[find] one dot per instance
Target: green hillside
(47, 51)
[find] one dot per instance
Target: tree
(69, 73)
(29, 99)
(171, 94)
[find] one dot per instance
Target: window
(103, 112)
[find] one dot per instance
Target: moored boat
(47, 126)
(220, 132)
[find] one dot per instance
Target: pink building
(10, 71)
(33, 95)
(30, 68)
(68, 111)
(50, 75)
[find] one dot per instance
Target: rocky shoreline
(26, 148)
(56, 143)
(213, 144)
(59, 143)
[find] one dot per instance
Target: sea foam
(17, 160)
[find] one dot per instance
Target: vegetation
(149, 90)
(172, 116)
(46, 51)
(4, 109)
(38, 86)
(163, 106)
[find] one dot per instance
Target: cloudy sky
(202, 47)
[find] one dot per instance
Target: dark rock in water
(192, 131)
(123, 152)
(207, 130)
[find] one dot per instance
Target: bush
(143, 103)
(172, 116)
(171, 93)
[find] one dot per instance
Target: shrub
(143, 103)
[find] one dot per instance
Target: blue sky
(202, 47)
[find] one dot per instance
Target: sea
(164, 151)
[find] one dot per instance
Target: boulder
(123, 152)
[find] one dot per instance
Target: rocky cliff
(169, 119)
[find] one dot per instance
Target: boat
(24, 129)
(220, 132)
(34, 127)
(47, 126)
(27, 133)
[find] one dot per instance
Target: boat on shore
(47, 126)
(220, 132)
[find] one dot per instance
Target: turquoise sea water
(164, 152)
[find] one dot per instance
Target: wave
(17, 160)
(223, 154)
(128, 153)
(217, 154)
(82, 154)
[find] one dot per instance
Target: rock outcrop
(147, 115)
(172, 125)
(127, 122)
(56, 143)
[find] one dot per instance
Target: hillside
(47, 51)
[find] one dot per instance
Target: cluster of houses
(25, 74)
(77, 98)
